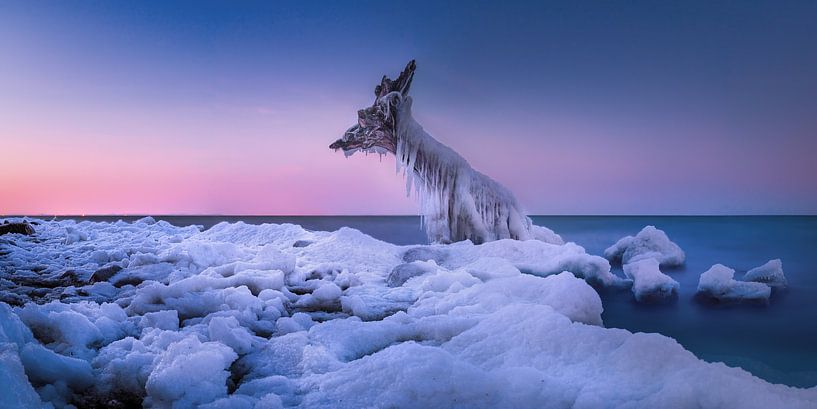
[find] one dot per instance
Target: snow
(15, 389)
(12, 329)
(545, 234)
(537, 258)
(770, 273)
(240, 317)
(649, 283)
(648, 243)
(718, 284)
(165, 319)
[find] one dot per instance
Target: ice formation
(649, 283)
(456, 202)
(718, 284)
(239, 316)
(648, 243)
(770, 273)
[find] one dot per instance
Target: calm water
(777, 343)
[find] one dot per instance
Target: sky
(578, 107)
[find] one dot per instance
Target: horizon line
(407, 215)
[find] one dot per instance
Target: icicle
(456, 202)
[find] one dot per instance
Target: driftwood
(376, 130)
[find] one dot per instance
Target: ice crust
(649, 283)
(718, 284)
(648, 243)
(238, 316)
(456, 201)
(770, 274)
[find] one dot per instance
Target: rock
(105, 273)
(302, 243)
(127, 280)
(18, 228)
(70, 278)
(425, 253)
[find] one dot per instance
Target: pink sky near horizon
(107, 170)
(283, 166)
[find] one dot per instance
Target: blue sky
(579, 108)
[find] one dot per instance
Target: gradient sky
(578, 107)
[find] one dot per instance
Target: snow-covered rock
(403, 272)
(649, 283)
(648, 243)
(770, 274)
(718, 284)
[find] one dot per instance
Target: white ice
(649, 283)
(770, 273)
(718, 284)
(238, 316)
(456, 201)
(648, 243)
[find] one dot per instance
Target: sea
(777, 342)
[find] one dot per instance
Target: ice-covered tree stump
(457, 202)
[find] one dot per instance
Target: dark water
(777, 343)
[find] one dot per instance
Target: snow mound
(240, 317)
(770, 274)
(718, 284)
(546, 235)
(537, 258)
(535, 362)
(649, 283)
(648, 243)
(190, 373)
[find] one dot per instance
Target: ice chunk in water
(649, 283)
(718, 284)
(648, 243)
(770, 273)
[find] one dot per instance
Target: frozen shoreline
(308, 326)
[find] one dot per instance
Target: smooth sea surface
(777, 342)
